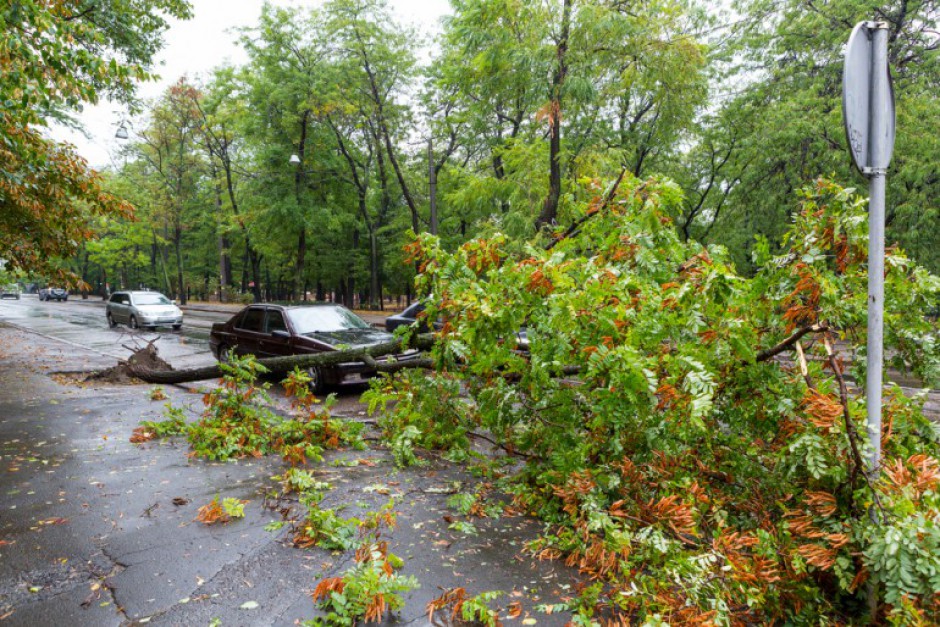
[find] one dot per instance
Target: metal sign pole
(876, 235)
(868, 112)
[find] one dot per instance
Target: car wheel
(225, 354)
(317, 385)
(177, 327)
(111, 322)
(132, 323)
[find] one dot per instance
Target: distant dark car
(53, 293)
(413, 314)
(409, 316)
(274, 331)
(10, 291)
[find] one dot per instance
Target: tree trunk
(550, 207)
(177, 243)
(166, 274)
(297, 285)
(374, 293)
(225, 263)
(279, 365)
(225, 266)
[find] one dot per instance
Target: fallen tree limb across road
(367, 354)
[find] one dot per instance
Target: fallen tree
(709, 466)
(385, 357)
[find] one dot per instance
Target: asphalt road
(95, 530)
(82, 323)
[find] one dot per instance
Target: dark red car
(274, 331)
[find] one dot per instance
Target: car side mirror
(280, 333)
(174, 302)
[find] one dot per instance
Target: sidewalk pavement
(97, 531)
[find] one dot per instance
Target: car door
(275, 339)
(119, 307)
(249, 331)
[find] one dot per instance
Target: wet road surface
(82, 323)
(97, 531)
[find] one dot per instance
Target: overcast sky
(196, 46)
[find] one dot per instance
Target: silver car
(143, 309)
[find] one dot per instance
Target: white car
(143, 309)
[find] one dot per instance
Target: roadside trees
(550, 91)
(168, 150)
(782, 124)
(56, 56)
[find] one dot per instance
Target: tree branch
(773, 351)
(573, 229)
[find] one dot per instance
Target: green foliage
(402, 446)
(175, 423)
(782, 125)
(622, 82)
(372, 587)
(436, 421)
(475, 504)
(477, 608)
(365, 592)
(461, 502)
(311, 425)
(55, 57)
(323, 528)
(300, 480)
(221, 512)
(464, 527)
(687, 471)
(233, 508)
(236, 420)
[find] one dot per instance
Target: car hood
(351, 337)
(158, 309)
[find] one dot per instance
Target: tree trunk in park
(375, 295)
(177, 244)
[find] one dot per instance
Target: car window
(251, 320)
(414, 310)
(151, 299)
(274, 321)
(324, 318)
(116, 298)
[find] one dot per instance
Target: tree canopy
(54, 56)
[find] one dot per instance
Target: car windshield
(151, 299)
(324, 319)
